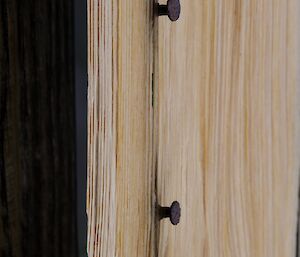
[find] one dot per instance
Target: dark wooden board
(37, 199)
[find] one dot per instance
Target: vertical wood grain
(221, 135)
(120, 177)
(37, 128)
(228, 137)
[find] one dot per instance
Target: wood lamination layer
(228, 128)
(119, 195)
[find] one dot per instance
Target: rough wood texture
(228, 128)
(120, 177)
(225, 129)
(37, 212)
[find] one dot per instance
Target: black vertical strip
(70, 65)
(30, 218)
(12, 128)
(54, 48)
(80, 20)
(5, 242)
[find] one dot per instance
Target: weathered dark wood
(37, 203)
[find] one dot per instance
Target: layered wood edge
(120, 193)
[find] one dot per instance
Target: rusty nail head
(172, 9)
(173, 212)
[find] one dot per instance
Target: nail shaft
(164, 212)
(162, 10)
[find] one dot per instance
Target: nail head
(175, 213)
(174, 9)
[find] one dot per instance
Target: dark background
(80, 22)
(43, 86)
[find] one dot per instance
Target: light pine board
(120, 117)
(227, 126)
(222, 136)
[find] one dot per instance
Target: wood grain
(220, 135)
(37, 132)
(228, 128)
(120, 171)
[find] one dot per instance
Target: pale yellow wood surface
(120, 117)
(222, 136)
(226, 121)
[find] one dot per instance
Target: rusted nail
(173, 212)
(172, 9)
